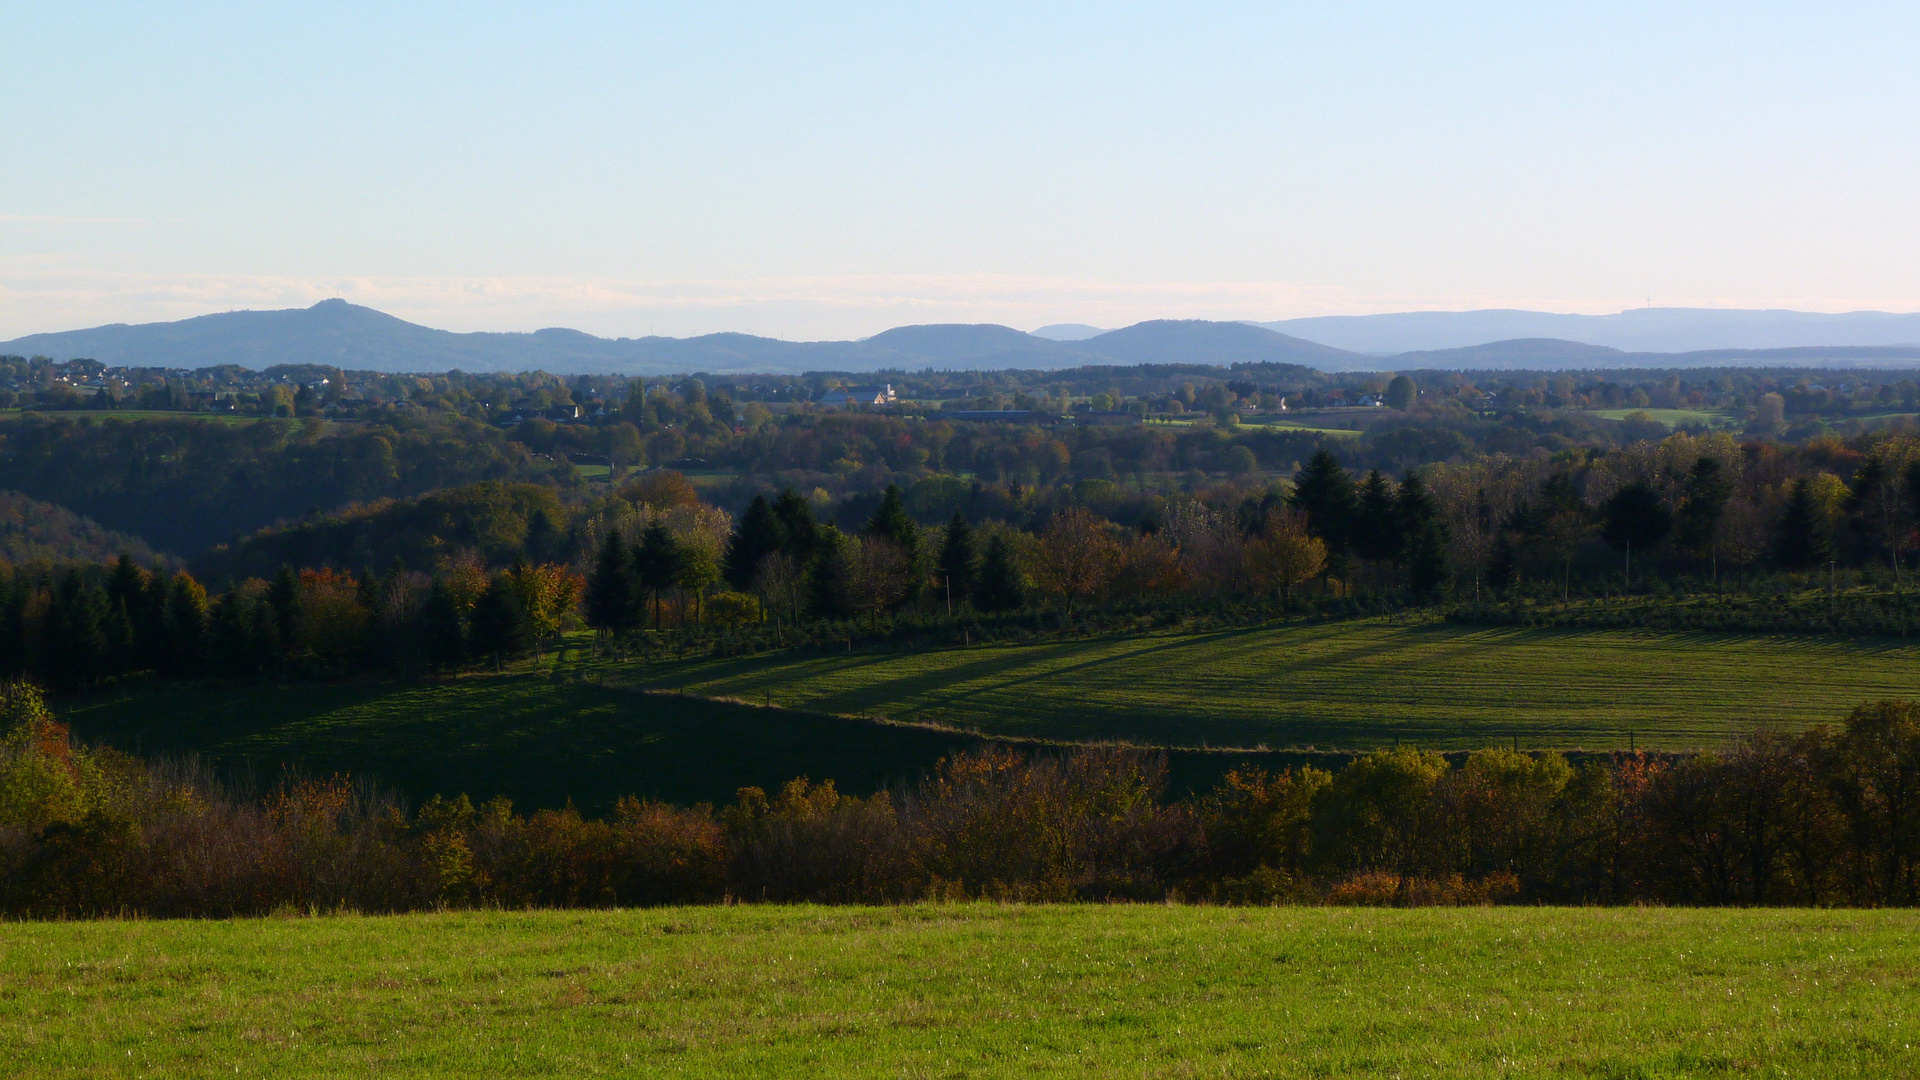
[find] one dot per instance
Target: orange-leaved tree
(1076, 556)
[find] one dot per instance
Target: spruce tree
(1414, 511)
(1324, 490)
(283, 599)
(892, 523)
(757, 536)
(1000, 586)
(1426, 556)
(498, 630)
(263, 639)
(229, 651)
(1423, 536)
(126, 584)
(543, 537)
(75, 648)
(610, 601)
(148, 616)
(1702, 502)
(443, 630)
(1376, 534)
(1634, 519)
(1805, 536)
(656, 564)
(828, 577)
(186, 624)
(958, 564)
(799, 533)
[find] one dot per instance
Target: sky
(829, 170)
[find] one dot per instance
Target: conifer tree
(229, 626)
(1414, 511)
(611, 602)
(1805, 537)
(186, 624)
(543, 537)
(1426, 556)
(148, 616)
(1376, 534)
(283, 600)
(75, 646)
(892, 523)
(444, 630)
(126, 583)
(1702, 502)
(958, 563)
(757, 536)
(1001, 587)
(829, 577)
(656, 564)
(1324, 490)
(1634, 518)
(1423, 537)
(498, 629)
(799, 533)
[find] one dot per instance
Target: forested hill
(334, 333)
(496, 522)
(184, 486)
(31, 531)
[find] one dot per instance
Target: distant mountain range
(340, 334)
(1642, 330)
(344, 335)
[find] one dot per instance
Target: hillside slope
(31, 530)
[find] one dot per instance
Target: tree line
(1828, 817)
(82, 625)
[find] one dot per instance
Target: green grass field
(1343, 685)
(972, 990)
(535, 738)
(591, 731)
(1670, 417)
(1278, 424)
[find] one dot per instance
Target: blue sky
(829, 170)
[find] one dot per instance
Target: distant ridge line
(336, 333)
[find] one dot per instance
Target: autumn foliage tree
(1076, 556)
(1286, 555)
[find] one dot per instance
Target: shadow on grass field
(537, 739)
(972, 990)
(541, 740)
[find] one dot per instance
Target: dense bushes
(1827, 817)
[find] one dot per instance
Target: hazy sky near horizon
(832, 169)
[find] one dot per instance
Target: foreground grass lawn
(1346, 685)
(972, 990)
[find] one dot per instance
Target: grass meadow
(1670, 417)
(538, 739)
(972, 990)
(1344, 685)
(586, 731)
